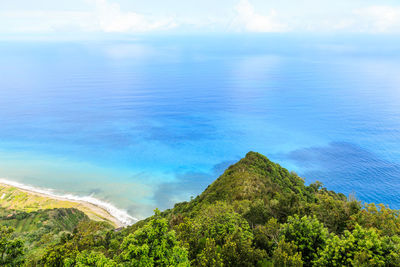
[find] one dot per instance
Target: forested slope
(255, 214)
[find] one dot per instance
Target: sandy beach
(41, 200)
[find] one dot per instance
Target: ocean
(145, 122)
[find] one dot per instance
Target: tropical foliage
(255, 214)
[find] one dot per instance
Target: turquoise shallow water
(149, 122)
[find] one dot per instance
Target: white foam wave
(121, 215)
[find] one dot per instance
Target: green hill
(14, 198)
(256, 213)
(256, 185)
(40, 228)
(253, 178)
(54, 219)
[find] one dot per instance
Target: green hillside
(54, 219)
(252, 180)
(17, 199)
(38, 229)
(255, 214)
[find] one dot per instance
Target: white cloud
(369, 19)
(104, 16)
(378, 19)
(97, 16)
(249, 20)
(44, 21)
(112, 19)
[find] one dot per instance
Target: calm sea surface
(149, 122)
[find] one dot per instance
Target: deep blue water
(149, 122)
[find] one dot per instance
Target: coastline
(40, 198)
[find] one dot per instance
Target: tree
(11, 250)
(210, 255)
(385, 220)
(286, 255)
(266, 237)
(308, 234)
(257, 214)
(362, 247)
(55, 255)
(88, 235)
(334, 212)
(153, 245)
(221, 227)
(92, 258)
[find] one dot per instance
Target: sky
(85, 17)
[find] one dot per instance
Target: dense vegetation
(256, 214)
(39, 229)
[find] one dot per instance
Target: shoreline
(94, 208)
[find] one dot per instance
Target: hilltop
(254, 178)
